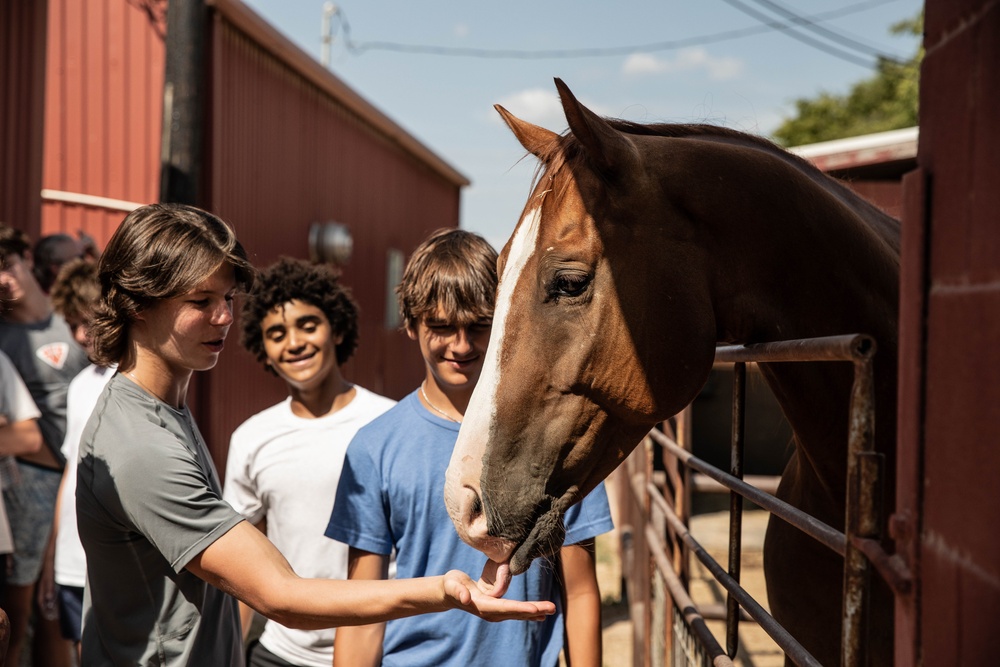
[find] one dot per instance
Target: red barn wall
(103, 108)
(22, 72)
(287, 144)
(887, 195)
(287, 150)
(950, 325)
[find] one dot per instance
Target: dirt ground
(712, 532)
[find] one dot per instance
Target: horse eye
(569, 284)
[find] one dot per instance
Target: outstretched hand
(465, 594)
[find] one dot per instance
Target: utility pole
(329, 11)
(183, 106)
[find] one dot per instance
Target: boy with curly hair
(284, 462)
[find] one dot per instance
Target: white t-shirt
(81, 397)
(287, 468)
(16, 405)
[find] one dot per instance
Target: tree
(886, 101)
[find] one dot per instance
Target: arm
(246, 611)
(46, 589)
(20, 438)
(20, 434)
(246, 565)
(361, 645)
(583, 605)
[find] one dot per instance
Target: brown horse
(639, 249)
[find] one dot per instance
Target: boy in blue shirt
(391, 492)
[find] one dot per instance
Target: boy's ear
(410, 332)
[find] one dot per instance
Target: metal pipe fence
(656, 540)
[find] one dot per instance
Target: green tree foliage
(886, 101)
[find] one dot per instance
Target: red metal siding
(22, 66)
(949, 334)
(887, 195)
(285, 153)
(103, 87)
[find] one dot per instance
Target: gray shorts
(31, 504)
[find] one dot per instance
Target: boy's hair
(50, 253)
(452, 270)
(315, 284)
(76, 290)
(160, 251)
(12, 242)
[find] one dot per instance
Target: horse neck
(815, 275)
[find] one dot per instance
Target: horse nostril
(476, 510)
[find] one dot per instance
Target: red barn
(287, 145)
(872, 165)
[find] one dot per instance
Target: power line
(766, 25)
(789, 29)
(832, 35)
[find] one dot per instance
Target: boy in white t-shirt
(74, 294)
(284, 462)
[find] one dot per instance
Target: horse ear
(607, 148)
(534, 139)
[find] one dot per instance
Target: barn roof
(282, 48)
(892, 150)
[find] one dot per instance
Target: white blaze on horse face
(462, 480)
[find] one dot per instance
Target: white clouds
(719, 69)
(542, 107)
(535, 105)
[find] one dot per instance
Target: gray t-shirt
(148, 500)
(47, 358)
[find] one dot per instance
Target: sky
(437, 68)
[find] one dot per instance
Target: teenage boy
(391, 490)
(19, 434)
(284, 462)
(74, 295)
(41, 346)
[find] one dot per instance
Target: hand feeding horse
(640, 248)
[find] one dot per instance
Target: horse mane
(565, 150)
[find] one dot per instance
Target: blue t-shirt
(391, 495)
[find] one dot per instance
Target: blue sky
(656, 61)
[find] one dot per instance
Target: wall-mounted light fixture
(330, 242)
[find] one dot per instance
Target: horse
(640, 248)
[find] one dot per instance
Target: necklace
(142, 386)
(436, 408)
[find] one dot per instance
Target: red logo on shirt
(54, 354)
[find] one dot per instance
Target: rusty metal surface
(828, 348)
(859, 544)
(736, 506)
(781, 636)
(684, 603)
(831, 537)
(862, 518)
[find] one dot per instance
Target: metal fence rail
(859, 546)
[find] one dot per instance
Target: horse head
(594, 347)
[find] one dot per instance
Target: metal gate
(669, 628)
